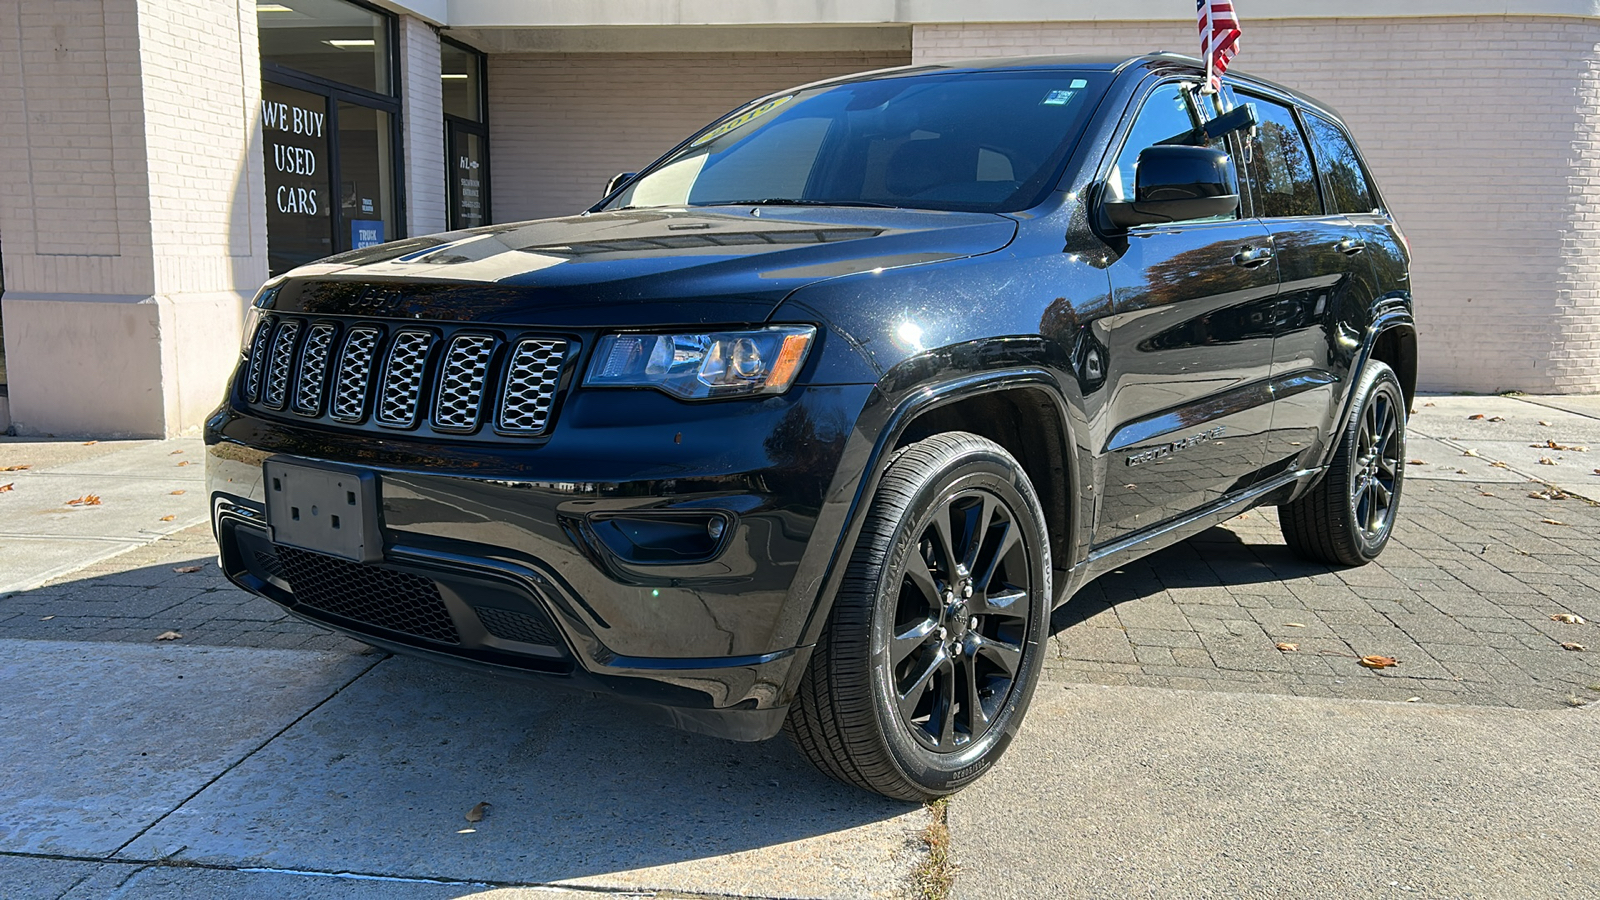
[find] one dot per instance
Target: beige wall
(562, 124)
(1484, 134)
(131, 207)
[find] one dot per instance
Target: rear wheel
(933, 645)
(1347, 518)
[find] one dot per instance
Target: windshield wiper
(794, 201)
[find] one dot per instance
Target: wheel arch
(978, 403)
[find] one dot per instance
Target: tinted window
(1341, 167)
(1165, 113)
(1282, 181)
(990, 142)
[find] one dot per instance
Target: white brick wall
(1484, 133)
(562, 124)
(422, 117)
(132, 209)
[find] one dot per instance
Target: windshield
(984, 142)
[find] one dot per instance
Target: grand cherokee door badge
(1155, 453)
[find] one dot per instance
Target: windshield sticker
(1058, 98)
(741, 120)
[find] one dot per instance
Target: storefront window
(329, 128)
(294, 127)
(466, 132)
(328, 39)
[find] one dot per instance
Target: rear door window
(1348, 188)
(1282, 180)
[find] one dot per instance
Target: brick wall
(422, 117)
(1484, 133)
(562, 124)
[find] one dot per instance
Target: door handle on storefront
(1350, 246)
(1253, 257)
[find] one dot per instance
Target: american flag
(1219, 38)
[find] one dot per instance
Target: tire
(917, 687)
(1348, 517)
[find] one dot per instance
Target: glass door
(296, 132)
(466, 134)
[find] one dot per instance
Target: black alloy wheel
(1346, 519)
(1375, 477)
(933, 646)
(961, 621)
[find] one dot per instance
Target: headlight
(703, 366)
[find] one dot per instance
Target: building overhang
(494, 14)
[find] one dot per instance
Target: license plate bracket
(324, 508)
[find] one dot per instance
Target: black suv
(811, 424)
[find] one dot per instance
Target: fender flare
(1396, 317)
(907, 410)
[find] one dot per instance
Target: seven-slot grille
(456, 382)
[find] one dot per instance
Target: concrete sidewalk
(258, 756)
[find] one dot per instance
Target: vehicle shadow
(379, 776)
(1218, 557)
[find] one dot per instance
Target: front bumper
(485, 566)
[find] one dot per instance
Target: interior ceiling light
(345, 44)
(452, 76)
(272, 8)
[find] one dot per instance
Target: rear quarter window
(1349, 189)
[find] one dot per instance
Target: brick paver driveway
(1463, 597)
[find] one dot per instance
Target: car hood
(635, 268)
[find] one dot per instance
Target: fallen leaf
(1553, 522)
(1412, 699)
(1566, 448)
(188, 570)
(1430, 404)
(16, 468)
(1499, 465)
(1476, 417)
(1293, 625)
(1544, 423)
(7, 487)
(1497, 418)
(183, 462)
(1485, 494)
(1461, 472)
(168, 636)
(90, 443)
(1469, 453)
(1574, 646)
(1287, 647)
(46, 618)
(477, 813)
(1415, 462)
(175, 453)
(179, 493)
(85, 500)
(1568, 618)
(1378, 662)
(168, 518)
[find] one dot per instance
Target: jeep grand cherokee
(809, 425)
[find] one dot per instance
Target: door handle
(1350, 246)
(1253, 257)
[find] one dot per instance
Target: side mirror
(617, 181)
(1176, 183)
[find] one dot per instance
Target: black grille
(397, 601)
(516, 626)
(453, 382)
(531, 380)
(313, 370)
(466, 366)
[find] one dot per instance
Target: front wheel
(1347, 518)
(934, 643)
